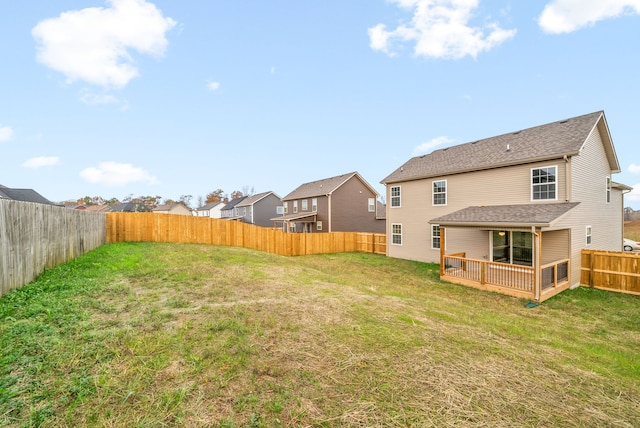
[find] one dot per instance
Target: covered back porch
(491, 250)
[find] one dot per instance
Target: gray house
(511, 213)
(259, 209)
(345, 203)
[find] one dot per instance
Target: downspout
(329, 209)
(567, 179)
(536, 264)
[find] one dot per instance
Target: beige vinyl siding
(501, 186)
(555, 245)
(588, 177)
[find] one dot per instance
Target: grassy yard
(632, 230)
(162, 335)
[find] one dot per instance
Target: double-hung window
(286, 207)
(371, 205)
(544, 183)
(396, 234)
(314, 205)
(439, 192)
(305, 205)
(608, 195)
(295, 206)
(588, 233)
(435, 236)
(395, 197)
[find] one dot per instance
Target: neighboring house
(24, 195)
(259, 209)
(211, 210)
(511, 213)
(229, 211)
(345, 203)
(129, 207)
(98, 208)
(175, 208)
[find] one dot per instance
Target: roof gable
(544, 142)
(24, 195)
(255, 198)
(325, 186)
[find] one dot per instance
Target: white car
(630, 245)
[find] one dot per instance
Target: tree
(186, 200)
(236, 194)
(215, 196)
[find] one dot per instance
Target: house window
(280, 210)
(372, 205)
(395, 197)
(608, 196)
(543, 183)
(292, 227)
(319, 225)
(396, 234)
(588, 235)
(435, 236)
(286, 207)
(244, 211)
(305, 205)
(439, 192)
(512, 247)
(314, 205)
(295, 206)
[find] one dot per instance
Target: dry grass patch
(203, 336)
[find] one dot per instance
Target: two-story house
(511, 213)
(259, 209)
(229, 211)
(210, 209)
(345, 203)
(172, 208)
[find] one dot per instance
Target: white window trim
(304, 205)
(433, 226)
(286, 207)
(607, 196)
(399, 197)
(392, 234)
(433, 193)
(371, 206)
(314, 205)
(319, 225)
(588, 235)
(532, 185)
(295, 207)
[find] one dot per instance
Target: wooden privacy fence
(153, 227)
(35, 237)
(611, 270)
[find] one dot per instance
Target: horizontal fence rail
(518, 278)
(153, 227)
(611, 270)
(35, 237)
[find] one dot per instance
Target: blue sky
(132, 97)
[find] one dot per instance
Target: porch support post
(537, 253)
(442, 245)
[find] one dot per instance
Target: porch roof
(501, 216)
(298, 216)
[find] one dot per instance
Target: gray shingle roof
(323, 187)
(255, 198)
(543, 142)
(25, 195)
(506, 215)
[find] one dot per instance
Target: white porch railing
(520, 278)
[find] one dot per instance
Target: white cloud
(439, 29)
(565, 16)
(92, 99)
(428, 146)
(213, 86)
(634, 169)
(634, 195)
(116, 174)
(6, 133)
(94, 44)
(41, 161)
